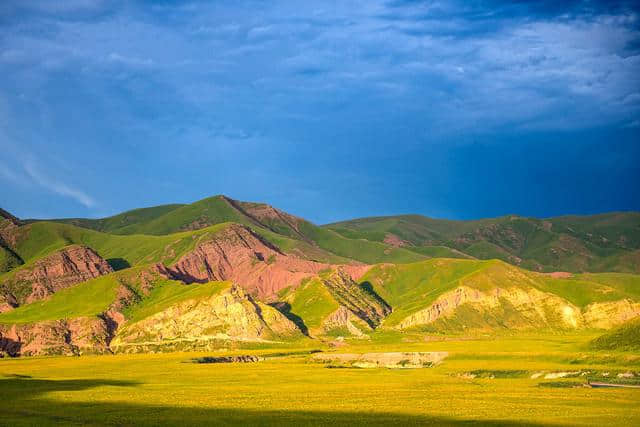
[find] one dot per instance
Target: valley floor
(167, 389)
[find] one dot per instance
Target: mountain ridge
(601, 242)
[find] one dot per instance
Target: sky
(326, 109)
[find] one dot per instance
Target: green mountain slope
(285, 230)
(625, 337)
(8, 259)
(453, 294)
(125, 220)
(607, 242)
(333, 304)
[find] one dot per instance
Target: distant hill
(283, 229)
(625, 337)
(606, 242)
(596, 243)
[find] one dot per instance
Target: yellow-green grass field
(167, 389)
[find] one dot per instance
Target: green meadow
(484, 381)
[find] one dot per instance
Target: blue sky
(327, 109)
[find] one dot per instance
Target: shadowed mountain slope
(606, 242)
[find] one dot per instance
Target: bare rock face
(230, 315)
(9, 226)
(270, 217)
(83, 335)
(61, 269)
(354, 301)
(527, 309)
(241, 256)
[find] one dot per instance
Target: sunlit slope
(138, 310)
(451, 294)
(285, 230)
(333, 304)
(86, 299)
(625, 337)
(41, 238)
(38, 239)
(606, 242)
(125, 220)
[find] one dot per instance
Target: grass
(166, 389)
(93, 297)
(8, 260)
(41, 238)
(88, 299)
(125, 220)
(625, 337)
(168, 293)
(313, 303)
(313, 242)
(409, 288)
(607, 242)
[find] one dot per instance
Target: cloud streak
(58, 187)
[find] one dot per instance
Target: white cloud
(57, 187)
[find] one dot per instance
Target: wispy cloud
(57, 187)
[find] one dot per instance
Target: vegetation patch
(247, 358)
(563, 384)
(485, 373)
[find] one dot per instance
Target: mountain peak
(6, 215)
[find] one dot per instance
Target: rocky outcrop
(396, 360)
(76, 336)
(518, 308)
(343, 319)
(59, 270)
(606, 315)
(241, 256)
(83, 335)
(9, 228)
(229, 315)
(366, 306)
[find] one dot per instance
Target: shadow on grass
(118, 263)
(285, 309)
(23, 401)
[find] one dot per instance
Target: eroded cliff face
(230, 315)
(82, 335)
(59, 270)
(239, 255)
(606, 315)
(355, 302)
(270, 217)
(344, 320)
(518, 308)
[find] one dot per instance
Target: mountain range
(222, 272)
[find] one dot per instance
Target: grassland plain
(294, 390)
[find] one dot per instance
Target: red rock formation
(61, 269)
(57, 337)
(240, 255)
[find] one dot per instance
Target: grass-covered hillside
(598, 243)
(454, 294)
(625, 337)
(285, 230)
(607, 242)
